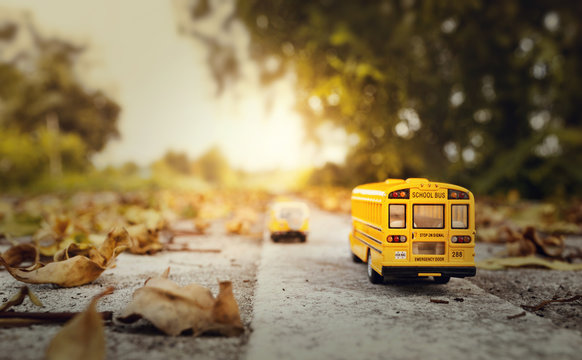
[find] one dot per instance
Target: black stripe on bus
(380, 251)
(370, 237)
(366, 223)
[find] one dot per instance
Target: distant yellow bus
(288, 219)
(413, 228)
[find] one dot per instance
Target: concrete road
(312, 302)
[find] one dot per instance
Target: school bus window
(397, 214)
(428, 216)
(459, 217)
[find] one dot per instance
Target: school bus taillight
(458, 195)
(396, 238)
(399, 194)
(461, 239)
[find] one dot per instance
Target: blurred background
(287, 95)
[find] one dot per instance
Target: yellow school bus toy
(288, 219)
(413, 228)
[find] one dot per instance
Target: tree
(41, 81)
(177, 161)
(213, 167)
(49, 119)
(476, 92)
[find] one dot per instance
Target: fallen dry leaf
(526, 261)
(21, 253)
(174, 309)
(201, 225)
(83, 337)
(8, 318)
(518, 245)
(19, 297)
(552, 246)
(75, 265)
(242, 221)
(528, 242)
(145, 240)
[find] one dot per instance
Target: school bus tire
(356, 259)
(441, 279)
(373, 276)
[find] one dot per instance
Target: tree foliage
(213, 167)
(477, 92)
(39, 82)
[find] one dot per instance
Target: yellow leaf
(81, 338)
(173, 308)
(144, 240)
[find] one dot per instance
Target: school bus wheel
(374, 277)
(356, 259)
(442, 279)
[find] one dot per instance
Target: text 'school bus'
(288, 219)
(413, 228)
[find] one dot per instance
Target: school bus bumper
(415, 271)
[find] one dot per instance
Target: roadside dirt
(532, 286)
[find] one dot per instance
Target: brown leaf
(144, 240)
(76, 265)
(19, 297)
(517, 245)
(81, 338)
(242, 221)
(174, 309)
(21, 253)
(201, 225)
(551, 245)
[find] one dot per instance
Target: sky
(168, 97)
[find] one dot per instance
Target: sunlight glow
(168, 97)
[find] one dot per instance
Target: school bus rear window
(428, 216)
(397, 216)
(459, 216)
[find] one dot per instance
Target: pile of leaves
(242, 221)
(329, 198)
(493, 218)
(171, 308)
(69, 241)
(529, 249)
(533, 234)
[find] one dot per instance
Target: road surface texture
(310, 301)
